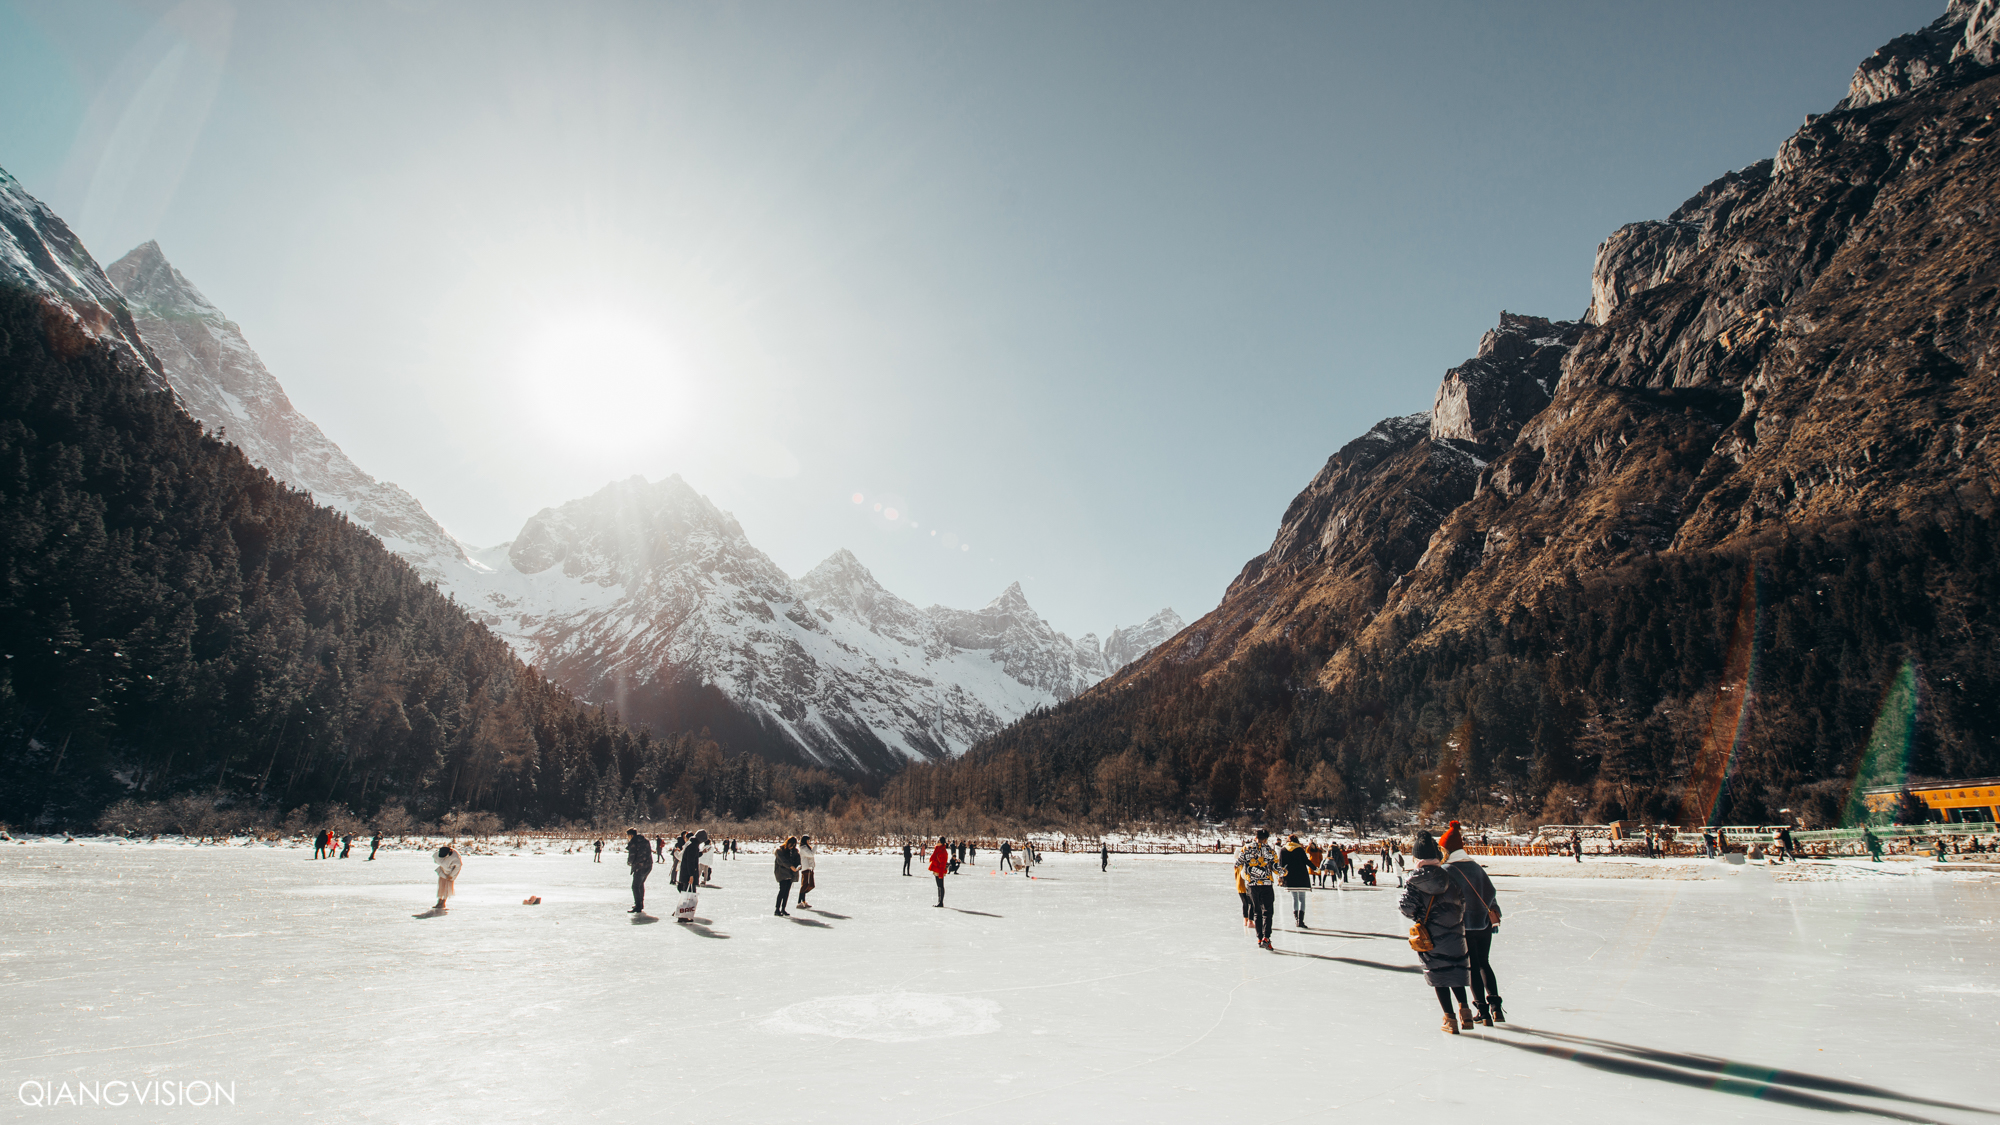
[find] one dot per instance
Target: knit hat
(1423, 847)
(1452, 840)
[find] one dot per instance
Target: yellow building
(1972, 799)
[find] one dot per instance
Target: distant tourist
(1006, 855)
(941, 863)
(690, 862)
(906, 857)
(597, 852)
(448, 865)
(1576, 845)
(1103, 856)
(808, 863)
(785, 867)
(1243, 893)
(638, 857)
(346, 845)
(321, 842)
(1368, 874)
(375, 844)
(1433, 901)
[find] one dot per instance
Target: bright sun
(605, 380)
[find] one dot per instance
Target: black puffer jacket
(785, 866)
(1297, 866)
(639, 853)
(1433, 897)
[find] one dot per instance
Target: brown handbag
(1420, 934)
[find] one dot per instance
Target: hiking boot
(1481, 1015)
(1450, 1025)
(1499, 1016)
(1464, 1016)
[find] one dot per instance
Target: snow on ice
(327, 990)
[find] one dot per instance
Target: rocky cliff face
(1804, 342)
(80, 307)
(224, 384)
(1721, 547)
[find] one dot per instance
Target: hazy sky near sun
(1091, 288)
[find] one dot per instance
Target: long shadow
(1748, 1073)
(813, 922)
(1352, 961)
(429, 914)
(1741, 1087)
(981, 913)
(643, 919)
(700, 930)
(829, 914)
(1341, 933)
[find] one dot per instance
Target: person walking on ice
(940, 864)
(1482, 922)
(639, 857)
(375, 845)
(1103, 856)
(1297, 878)
(1433, 901)
(597, 852)
(1006, 855)
(448, 866)
(906, 857)
(1259, 867)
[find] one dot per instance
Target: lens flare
(1729, 715)
(1885, 760)
(889, 513)
(858, 498)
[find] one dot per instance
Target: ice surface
(323, 990)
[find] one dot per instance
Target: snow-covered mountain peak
(40, 254)
(626, 529)
(1129, 644)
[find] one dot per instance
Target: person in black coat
(906, 858)
(1482, 922)
(786, 867)
(1433, 900)
(1296, 877)
(690, 866)
(639, 857)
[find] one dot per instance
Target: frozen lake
(319, 991)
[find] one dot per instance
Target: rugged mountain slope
(1679, 559)
(42, 260)
(223, 383)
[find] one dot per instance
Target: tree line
(1692, 687)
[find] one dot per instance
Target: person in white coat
(448, 865)
(808, 879)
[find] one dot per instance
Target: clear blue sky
(1091, 289)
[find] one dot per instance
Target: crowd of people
(1449, 898)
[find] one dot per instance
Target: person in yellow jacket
(1243, 892)
(1314, 855)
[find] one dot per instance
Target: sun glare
(606, 380)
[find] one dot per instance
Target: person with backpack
(1482, 922)
(1433, 901)
(1259, 866)
(638, 857)
(785, 866)
(1297, 876)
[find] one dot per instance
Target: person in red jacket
(940, 864)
